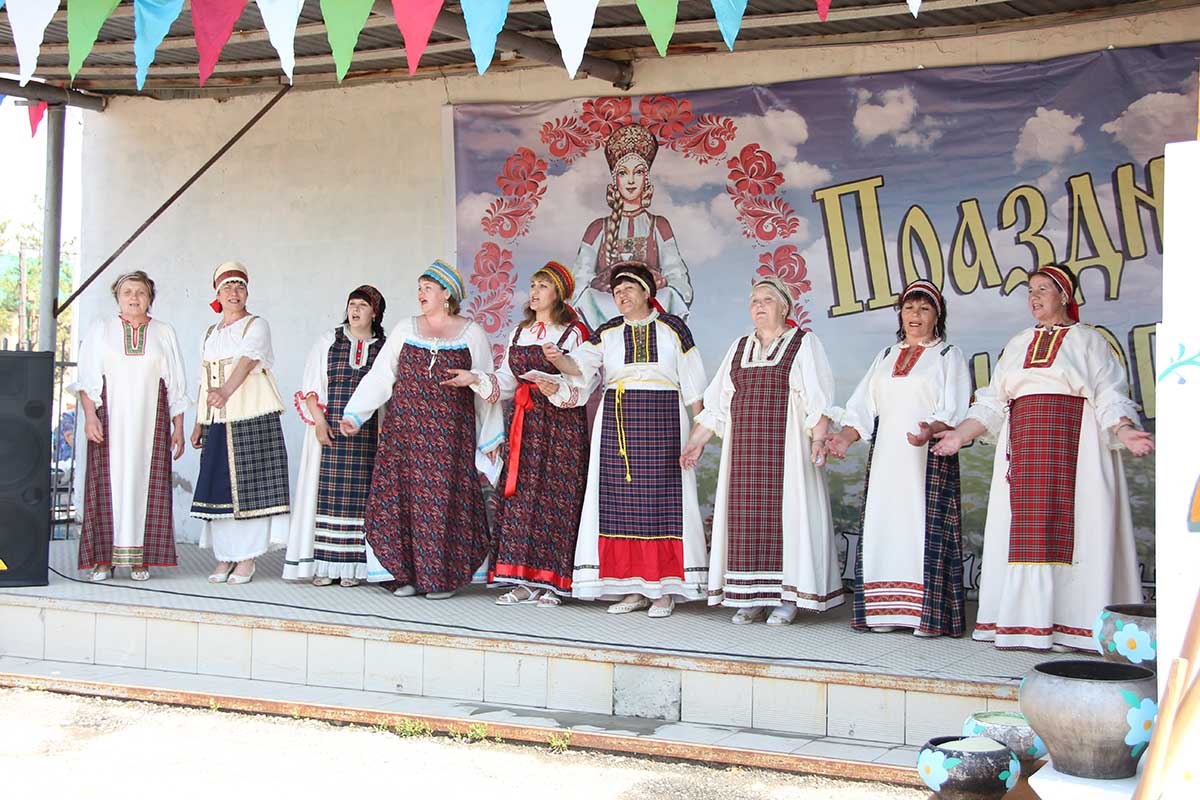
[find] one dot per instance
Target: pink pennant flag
(823, 8)
(415, 19)
(36, 112)
(212, 22)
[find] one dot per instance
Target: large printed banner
(847, 188)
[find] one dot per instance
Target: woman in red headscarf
(545, 474)
(908, 570)
(1058, 544)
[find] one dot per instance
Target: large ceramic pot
(968, 768)
(1128, 634)
(1012, 730)
(1096, 717)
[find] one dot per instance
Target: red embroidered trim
(904, 365)
(299, 400)
(531, 574)
(358, 354)
(916, 587)
(1044, 346)
(1067, 629)
(494, 395)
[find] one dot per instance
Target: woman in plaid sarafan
(133, 391)
(537, 511)
(772, 541)
(641, 538)
(1058, 543)
(425, 523)
(908, 564)
(242, 490)
(326, 539)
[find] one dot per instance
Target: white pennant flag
(28, 20)
(914, 6)
(279, 17)
(572, 21)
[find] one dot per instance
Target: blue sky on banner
(940, 139)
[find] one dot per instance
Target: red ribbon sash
(522, 402)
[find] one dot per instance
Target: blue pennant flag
(152, 20)
(729, 18)
(485, 20)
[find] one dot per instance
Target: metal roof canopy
(619, 39)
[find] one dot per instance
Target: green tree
(21, 249)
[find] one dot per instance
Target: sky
(937, 137)
(23, 166)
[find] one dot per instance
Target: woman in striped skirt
(1058, 543)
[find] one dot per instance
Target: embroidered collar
(934, 343)
(637, 323)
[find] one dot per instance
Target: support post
(52, 227)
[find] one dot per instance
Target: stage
(813, 689)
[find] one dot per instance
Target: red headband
(924, 287)
(1063, 281)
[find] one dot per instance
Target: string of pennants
(213, 21)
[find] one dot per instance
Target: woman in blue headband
(425, 525)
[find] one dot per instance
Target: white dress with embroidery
(810, 578)
(110, 363)
(937, 388)
(1038, 605)
(235, 540)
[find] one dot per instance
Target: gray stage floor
(823, 641)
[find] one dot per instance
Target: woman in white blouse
(772, 542)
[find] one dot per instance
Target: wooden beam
(51, 94)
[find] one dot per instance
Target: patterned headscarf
(776, 283)
(370, 294)
(1065, 283)
(447, 276)
(561, 277)
(924, 287)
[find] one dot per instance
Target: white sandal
(745, 616)
(348, 583)
(627, 606)
(549, 600)
(783, 615)
(512, 598)
(99, 575)
(140, 573)
(659, 612)
(322, 580)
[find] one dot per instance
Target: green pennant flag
(344, 20)
(660, 19)
(84, 20)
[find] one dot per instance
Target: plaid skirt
(243, 470)
(96, 536)
(1043, 451)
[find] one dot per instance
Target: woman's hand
(93, 430)
(922, 436)
(690, 456)
(347, 427)
(1138, 442)
(552, 353)
(548, 388)
(820, 449)
(949, 442)
(321, 428)
(177, 443)
(462, 378)
(838, 444)
(197, 436)
(217, 398)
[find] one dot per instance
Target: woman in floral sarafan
(908, 570)
(1058, 543)
(326, 541)
(544, 476)
(425, 524)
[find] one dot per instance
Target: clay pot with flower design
(1010, 728)
(1128, 634)
(968, 768)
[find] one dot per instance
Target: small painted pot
(1011, 729)
(1128, 634)
(970, 768)
(1096, 717)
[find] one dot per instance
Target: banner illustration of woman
(629, 233)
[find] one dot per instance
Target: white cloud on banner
(1049, 136)
(1153, 119)
(893, 113)
(780, 131)
(28, 20)
(800, 176)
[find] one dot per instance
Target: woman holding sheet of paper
(544, 476)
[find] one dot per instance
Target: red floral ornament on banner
(753, 183)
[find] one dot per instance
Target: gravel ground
(96, 748)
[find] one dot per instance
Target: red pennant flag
(213, 22)
(823, 8)
(36, 112)
(415, 19)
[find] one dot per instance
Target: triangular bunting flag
(28, 20)
(36, 112)
(151, 21)
(914, 6)
(415, 19)
(485, 20)
(729, 18)
(660, 20)
(344, 20)
(212, 24)
(572, 21)
(84, 20)
(823, 8)
(279, 17)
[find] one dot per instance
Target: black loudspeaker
(26, 384)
